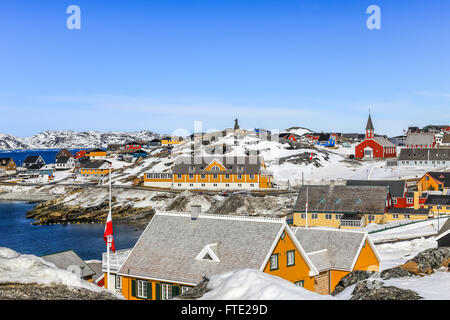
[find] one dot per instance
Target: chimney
(195, 211)
(416, 200)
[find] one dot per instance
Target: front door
(368, 152)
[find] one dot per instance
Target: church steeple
(369, 128)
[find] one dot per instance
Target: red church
(374, 147)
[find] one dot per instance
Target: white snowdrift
(251, 284)
(27, 269)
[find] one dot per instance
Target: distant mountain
(72, 139)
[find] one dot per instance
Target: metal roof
(397, 188)
(65, 259)
(233, 165)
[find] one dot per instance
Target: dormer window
(338, 201)
(322, 201)
(358, 201)
(208, 254)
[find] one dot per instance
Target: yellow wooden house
(176, 251)
(435, 181)
(341, 206)
(96, 154)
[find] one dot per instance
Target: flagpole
(109, 237)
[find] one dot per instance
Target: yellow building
(167, 141)
(435, 181)
(213, 173)
(341, 206)
(96, 154)
(95, 169)
(177, 250)
(437, 204)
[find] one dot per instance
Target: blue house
(327, 140)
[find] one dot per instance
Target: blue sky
(162, 64)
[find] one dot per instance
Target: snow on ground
(395, 254)
(419, 229)
(26, 268)
(432, 287)
(251, 284)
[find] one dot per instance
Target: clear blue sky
(161, 64)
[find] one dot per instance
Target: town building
(64, 152)
(432, 158)
(341, 206)
(64, 163)
(420, 140)
(70, 261)
(95, 169)
(445, 142)
(398, 190)
(373, 146)
(177, 250)
(435, 181)
(33, 161)
(8, 166)
(96, 154)
(214, 173)
(438, 204)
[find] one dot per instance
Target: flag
(109, 232)
(310, 158)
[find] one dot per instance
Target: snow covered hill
(72, 139)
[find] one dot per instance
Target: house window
(191, 176)
(142, 289)
(191, 184)
(239, 184)
(274, 261)
(338, 216)
(203, 184)
(291, 258)
(215, 176)
(406, 216)
(215, 185)
(409, 200)
(371, 217)
(118, 282)
(395, 216)
(314, 216)
(252, 176)
(227, 184)
(283, 235)
(179, 176)
(394, 200)
(227, 176)
(328, 216)
(300, 283)
(239, 176)
(166, 291)
(303, 215)
(203, 176)
(252, 185)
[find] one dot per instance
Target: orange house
(434, 181)
(177, 250)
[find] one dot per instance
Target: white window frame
(290, 258)
(142, 289)
(274, 262)
(166, 291)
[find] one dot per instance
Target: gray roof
(420, 139)
(92, 164)
(397, 188)
(63, 159)
(383, 142)
(168, 247)
(342, 246)
(410, 210)
(434, 199)
(445, 228)
(65, 259)
(249, 165)
(427, 154)
(97, 268)
(343, 199)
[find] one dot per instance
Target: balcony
(115, 260)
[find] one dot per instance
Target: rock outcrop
(375, 290)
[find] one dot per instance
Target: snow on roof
(26, 268)
(251, 284)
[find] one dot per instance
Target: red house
(80, 154)
(374, 147)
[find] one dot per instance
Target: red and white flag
(108, 235)
(310, 158)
